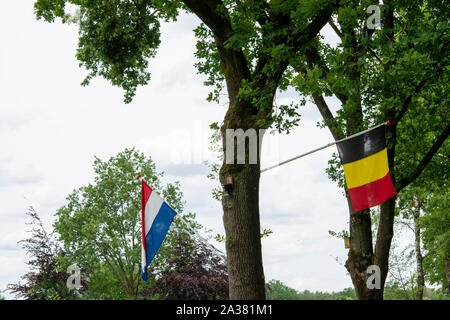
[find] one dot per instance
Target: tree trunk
(385, 230)
(383, 242)
(361, 251)
(361, 254)
(242, 229)
(419, 257)
(447, 274)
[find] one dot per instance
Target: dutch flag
(157, 216)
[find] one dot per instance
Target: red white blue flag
(157, 216)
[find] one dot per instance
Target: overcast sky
(51, 128)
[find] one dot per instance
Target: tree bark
(419, 257)
(383, 242)
(242, 230)
(361, 251)
(447, 274)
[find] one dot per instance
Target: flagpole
(323, 147)
(300, 156)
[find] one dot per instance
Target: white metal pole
(323, 147)
(300, 156)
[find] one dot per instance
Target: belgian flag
(366, 169)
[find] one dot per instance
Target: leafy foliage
(402, 280)
(277, 290)
(432, 190)
(116, 37)
(100, 230)
(394, 292)
(47, 277)
(194, 272)
(100, 226)
(404, 79)
(436, 238)
(397, 72)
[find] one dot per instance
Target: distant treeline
(277, 290)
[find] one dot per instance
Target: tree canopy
(99, 230)
(100, 226)
(396, 72)
(47, 277)
(194, 271)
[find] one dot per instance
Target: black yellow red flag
(366, 169)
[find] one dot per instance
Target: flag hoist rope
(323, 147)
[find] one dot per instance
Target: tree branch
(206, 10)
(407, 101)
(313, 58)
(298, 40)
(425, 160)
(324, 110)
(335, 28)
(327, 116)
(314, 27)
(106, 257)
(233, 61)
(375, 55)
(264, 18)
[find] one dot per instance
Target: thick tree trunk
(361, 254)
(385, 230)
(361, 251)
(447, 274)
(383, 242)
(241, 210)
(243, 235)
(419, 257)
